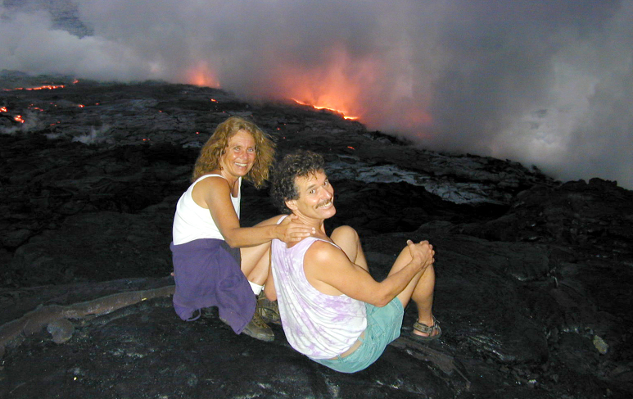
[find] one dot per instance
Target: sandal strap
(423, 328)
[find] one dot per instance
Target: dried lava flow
(55, 317)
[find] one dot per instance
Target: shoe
(209, 313)
(258, 329)
(267, 309)
(434, 331)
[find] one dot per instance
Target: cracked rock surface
(533, 275)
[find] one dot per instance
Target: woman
(217, 262)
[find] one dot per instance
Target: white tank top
(193, 222)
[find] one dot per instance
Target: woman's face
(239, 155)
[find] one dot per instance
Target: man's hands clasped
(422, 253)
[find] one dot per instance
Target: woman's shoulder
(210, 182)
(210, 177)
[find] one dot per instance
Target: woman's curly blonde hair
(209, 158)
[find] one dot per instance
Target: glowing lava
(202, 75)
(17, 118)
(337, 83)
(45, 87)
(338, 111)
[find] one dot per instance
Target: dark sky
(543, 82)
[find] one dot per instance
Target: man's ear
(292, 205)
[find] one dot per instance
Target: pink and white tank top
(318, 325)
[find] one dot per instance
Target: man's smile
(326, 204)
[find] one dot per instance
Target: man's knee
(346, 233)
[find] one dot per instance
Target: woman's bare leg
(255, 262)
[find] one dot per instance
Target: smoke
(95, 136)
(543, 82)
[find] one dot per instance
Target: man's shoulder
(323, 250)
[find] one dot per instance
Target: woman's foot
(267, 309)
(258, 329)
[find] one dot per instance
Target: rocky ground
(533, 275)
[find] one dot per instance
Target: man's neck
(318, 224)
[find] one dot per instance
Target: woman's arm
(215, 195)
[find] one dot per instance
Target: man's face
(316, 197)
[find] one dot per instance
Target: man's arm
(330, 271)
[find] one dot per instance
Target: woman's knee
(254, 257)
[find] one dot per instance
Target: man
(331, 309)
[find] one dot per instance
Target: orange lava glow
(338, 111)
(337, 85)
(416, 118)
(19, 118)
(3, 109)
(45, 87)
(202, 75)
(356, 86)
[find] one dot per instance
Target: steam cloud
(543, 82)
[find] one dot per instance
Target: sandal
(423, 328)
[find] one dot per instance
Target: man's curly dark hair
(301, 163)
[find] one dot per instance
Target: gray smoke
(543, 82)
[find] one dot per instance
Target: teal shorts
(383, 327)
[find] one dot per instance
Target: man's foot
(258, 329)
(267, 309)
(424, 333)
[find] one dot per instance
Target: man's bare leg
(423, 298)
(420, 290)
(421, 287)
(347, 238)
(403, 259)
